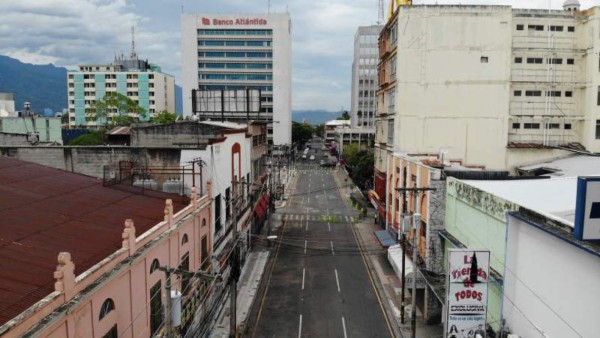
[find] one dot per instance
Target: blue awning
(384, 238)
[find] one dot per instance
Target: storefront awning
(384, 238)
(376, 202)
(261, 206)
(395, 258)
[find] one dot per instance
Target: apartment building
(364, 77)
(491, 86)
(237, 52)
(144, 83)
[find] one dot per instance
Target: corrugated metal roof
(44, 211)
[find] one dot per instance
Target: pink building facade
(124, 294)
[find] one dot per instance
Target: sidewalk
(248, 284)
(386, 279)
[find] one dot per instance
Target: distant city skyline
(72, 32)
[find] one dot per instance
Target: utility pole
(233, 277)
(415, 192)
(168, 325)
(413, 320)
(405, 224)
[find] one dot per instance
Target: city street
(319, 286)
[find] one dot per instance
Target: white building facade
(364, 77)
(491, 86)
(241, 51)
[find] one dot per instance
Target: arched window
(204, 222)
(155, 265)
(107, 307)
(184, 239)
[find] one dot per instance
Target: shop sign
(466, 305)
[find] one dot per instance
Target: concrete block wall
(90, 161)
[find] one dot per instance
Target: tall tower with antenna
(133, 55)
(380, 16)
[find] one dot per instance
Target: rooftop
(45, 211)
(578, 165)
(554, 198)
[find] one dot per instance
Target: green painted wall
(48, 128)
(477, 219)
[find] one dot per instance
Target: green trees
(121, 110)
(360, 163)
(320, 130)
(345, 116)
(92, 139)
(301, 133)
(164, 117)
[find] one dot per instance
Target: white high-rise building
(364, 77)
(241, 51)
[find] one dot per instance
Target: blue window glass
(255, 43)
(234, 43)
(236, 65)
(235, 54)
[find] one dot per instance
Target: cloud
(73, 32)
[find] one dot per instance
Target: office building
(144, 83)
(237, 52)
(364, 77)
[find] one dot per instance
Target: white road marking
(329, 226)
(337, 280)
(305, 242)
(343, 325)
(332, 252)
(300, 327)
(303, 274)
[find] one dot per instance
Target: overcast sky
(72, 32)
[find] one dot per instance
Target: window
(518, 60)
(531, 125)
(570, 61)
(553, 125)
(535, 27)
(533, 93)
(517, 93)
(185, 266)
(390, 138)
(598, 97)
(571, 28)
(516, 126)
(597, 129)
(520, 27)
(112, 333)
(556, 28)
(567, 126)
(535, 60)
(184, 239)
(554, 61)
(154, 266)
(554, 93)
(217, 213)
(107, 307)
(484, 59)
(156, 314)
(204, 253)
(568, 93)
(227, 204)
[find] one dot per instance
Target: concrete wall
(543, 276)
(179, 134)
(10, 139)
(446, 95)
(47, 128)
(91, 160)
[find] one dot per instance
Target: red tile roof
(44, 211)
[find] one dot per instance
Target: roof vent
(571, 5)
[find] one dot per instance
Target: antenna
(269, 7)
(133, 53)
(380, 12)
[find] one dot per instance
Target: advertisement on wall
(466, 306)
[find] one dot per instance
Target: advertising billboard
(466, 304)
(587, 209)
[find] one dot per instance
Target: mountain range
(43, 86)
(314, 117)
